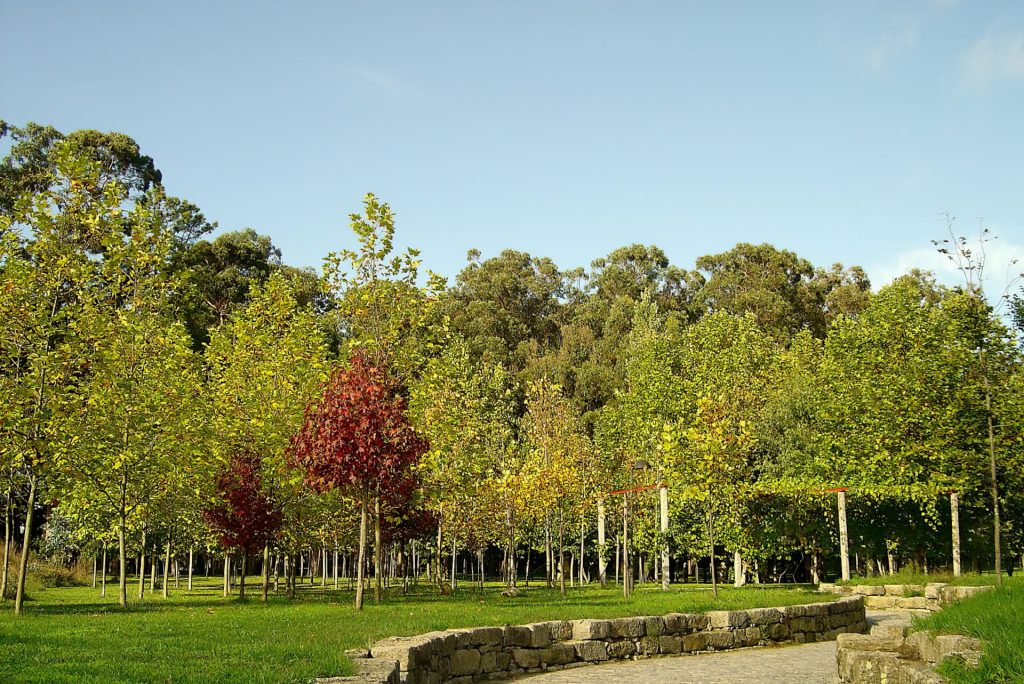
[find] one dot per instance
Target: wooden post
(844, 539)
(663, 496)
(954, 514)
(601, 565)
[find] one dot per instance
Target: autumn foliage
(247, 517)
(358, 434)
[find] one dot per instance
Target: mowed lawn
(71, 635)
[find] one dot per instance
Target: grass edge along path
(70, 635)
(997, 618)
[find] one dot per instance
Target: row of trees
(169, 392)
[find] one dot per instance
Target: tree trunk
(996, 532)
(335, 565)
(627, 575)
(602, 565)
(190, 552)
(19, 598)
(152, 570)
(266, 571)
(142, 567)
(94, 570)
(364, 504)
(7, 546)
(583, 536)
(227, 575)
(739, 578)
(663, 501)
(122, 570)
(378, 561)
(561, 554)
(241, 576)
(711, 548)
(167, 564)
(455, 555)
(103, 577)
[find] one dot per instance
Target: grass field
(908, 577)
(71, 635)
(997, 618)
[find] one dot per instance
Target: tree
(357, 437)
(266, 364)
(991, 343)
(559, 454)
(465, 411)
(222, 274)
(502, 304)
(32, 166)
(43, 288)
(246, 518)
(378, 307)
(783, 291)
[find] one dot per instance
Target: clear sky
(841, 131)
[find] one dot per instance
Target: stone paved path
(803, 663)
(796, 664)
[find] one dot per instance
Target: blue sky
(566, 129)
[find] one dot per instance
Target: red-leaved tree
(246, 518)
(357, 437)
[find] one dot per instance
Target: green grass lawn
(996, 617)
(909, 577)
(71, 635)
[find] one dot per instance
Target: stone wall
(487, 653)
(897, 657)
(932, 596)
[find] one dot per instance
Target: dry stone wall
(932, 596)
(898, 657)
(490, 653)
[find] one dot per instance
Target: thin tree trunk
(190, 552)
(336, 565)
(266, 571)
(455, 554)
(995, 485)
(142, 567)
(152, 571)
(122, 576)
(167, 564)
(378, 565)
(583, 536)
(19, 598)
(627, 575)
(227, 575)
(241, 576)
(94, 570)
(561, 554)
(7, 546)
(711, 548)
(364, 504)
(602, 566)
(103, 578)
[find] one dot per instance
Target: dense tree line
(169, 395)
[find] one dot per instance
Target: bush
(44, 574)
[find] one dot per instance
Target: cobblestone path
(790, 664)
